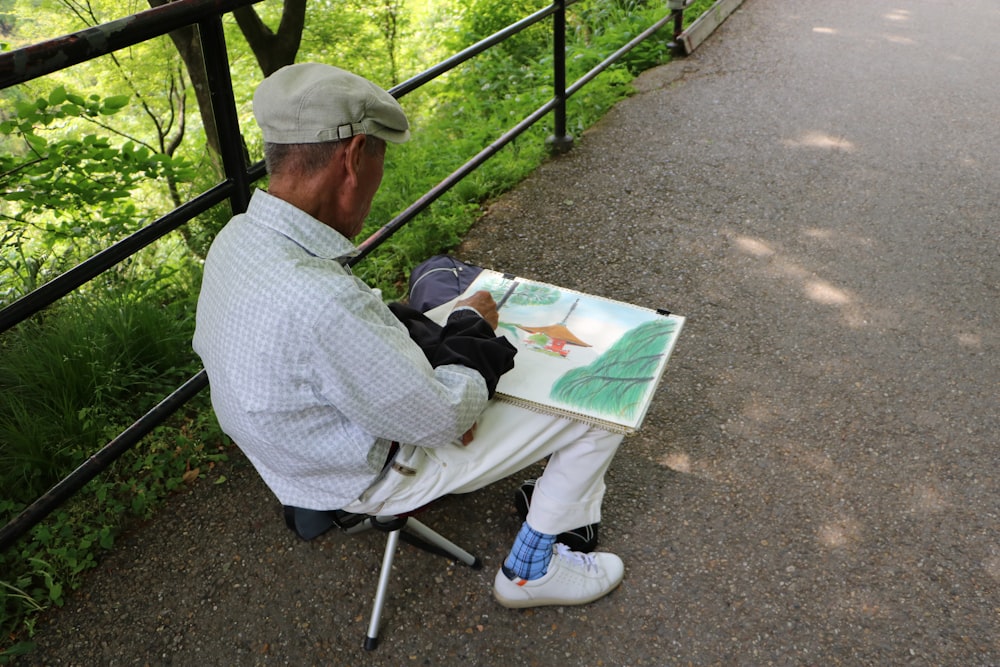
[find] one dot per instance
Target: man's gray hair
(307, 158)
(298, 158)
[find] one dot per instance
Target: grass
(70, 381)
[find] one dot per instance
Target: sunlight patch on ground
(754, 247)
(677, 461)
(820, 140)
(972, 340)
(684, 464)
(929, 499)
(992, 566)
(815, 289)
(839, 534)
(817, 462)
(899, 39)
(825, 31)
(759, 409)
(864, 604)
(898, 15)
(823, 292)
(817, 233)
(791, 270)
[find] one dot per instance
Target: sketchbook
(580, 356)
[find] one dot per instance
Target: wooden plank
(706, 24)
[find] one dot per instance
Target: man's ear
(352, 155)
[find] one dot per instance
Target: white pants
(507, 440)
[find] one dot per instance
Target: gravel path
(816, 190)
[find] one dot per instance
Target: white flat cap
(309, 103)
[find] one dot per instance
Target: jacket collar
(304, 230)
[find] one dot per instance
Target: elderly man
(321, 384)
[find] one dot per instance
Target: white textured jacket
(308, 368)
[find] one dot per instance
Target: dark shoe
(310, 524)
(582, 539)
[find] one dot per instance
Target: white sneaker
(572, 578)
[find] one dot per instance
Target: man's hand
(468, 436)
(484, 304)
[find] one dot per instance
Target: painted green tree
(525, 294)
(615, 382)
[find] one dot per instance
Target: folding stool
(309, 524)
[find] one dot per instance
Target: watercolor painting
(579, 354)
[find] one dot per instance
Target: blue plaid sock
(529, 557)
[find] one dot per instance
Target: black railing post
(234, 158)
(560, 141)
(676, 8)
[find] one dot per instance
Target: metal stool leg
(308, 524)
(442, 543)
(427, 539)
(391, 542)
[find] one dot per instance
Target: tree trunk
(273, 50)
(188, 43)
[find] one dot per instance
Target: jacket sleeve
(465, 339)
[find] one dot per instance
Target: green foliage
(69, 383)
(373, 37)
(8, 19)
(66, 195)
(42, 569)
(696, 9)
(75, 377)
(603, 27)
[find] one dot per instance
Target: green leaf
(37, 143)
(17, 195)
(43, 534)
(20, 648)
(114, 103)
(107, 541)
(25, 110)
(58, 95)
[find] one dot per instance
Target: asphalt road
(816, 190)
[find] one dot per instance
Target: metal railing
(53, 55)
